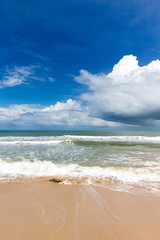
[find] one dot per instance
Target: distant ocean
(121, 159)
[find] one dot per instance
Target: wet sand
(47, 210)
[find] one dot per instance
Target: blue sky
(45, 44)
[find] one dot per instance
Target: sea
(122, 160)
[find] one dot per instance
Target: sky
(79, 64)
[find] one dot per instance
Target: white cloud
(23, 75)
(60, 106)
(16, 76)
(51, 79)
(129, 94)
(67, 114)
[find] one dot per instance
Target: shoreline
(42, 209)
(101, 182)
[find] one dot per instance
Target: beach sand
(42, 209)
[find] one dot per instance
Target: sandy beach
(46, 210)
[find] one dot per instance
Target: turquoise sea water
(127, 157)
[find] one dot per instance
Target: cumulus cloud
(69, 114)
(129, 94)
(69, 105)
(23, 75)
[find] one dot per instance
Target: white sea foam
(22, 142)
(46, 168)
(136, 139)
(51, 140)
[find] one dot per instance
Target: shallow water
(130, 158)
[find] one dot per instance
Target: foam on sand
(145, 177)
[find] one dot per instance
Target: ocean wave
(26, 142)
(78, 139)
(38, 169)
(140, 139)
